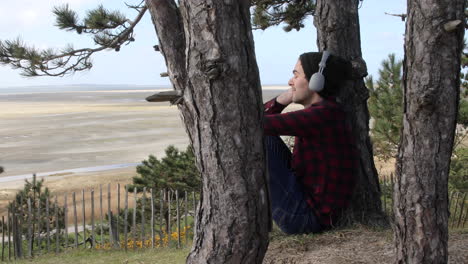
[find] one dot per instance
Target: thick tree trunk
(338, 31)
(431, 89)
(209, 51)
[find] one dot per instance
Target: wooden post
(461, 210)
(113, 228)
(118, 209)
(83, 202)
(453, 216)
(466, 216)
(65, 219)
(102, 217)
(385, 195)
(161, 214)
(143, 205)
(152, 218)
(126, 218)
(48, 224)
(93, 234)
(194, 207)
(39, 220)
(3, 238)
(9, 234)
(178, 218)
(75, 220)
(57, 227)
(109, 213)
(30, 229)
(169, 229)
(18, 235)
(134, 217)
(13, 231)
(451, 194)
(186, 219)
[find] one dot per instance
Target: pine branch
(403, 16)
(35, 62)
(268, 13)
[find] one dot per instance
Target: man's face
(300, 86)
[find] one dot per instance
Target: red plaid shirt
(324, 158)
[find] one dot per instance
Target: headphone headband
(317, 81)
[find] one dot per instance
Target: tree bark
(431, 90)
(338, 31)
(209, 51)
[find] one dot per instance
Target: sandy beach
(49, 132)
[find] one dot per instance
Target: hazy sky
(276, 50)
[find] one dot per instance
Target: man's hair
(337, 71)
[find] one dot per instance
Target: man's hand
(285, 98)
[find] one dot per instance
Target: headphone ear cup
(317, 81)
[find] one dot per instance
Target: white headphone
(317, 81)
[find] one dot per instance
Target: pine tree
(38, 194)
(175, 171)
(385, 107)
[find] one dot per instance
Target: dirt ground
(351, 246)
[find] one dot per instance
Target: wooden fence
(151, 219)
(458, 203)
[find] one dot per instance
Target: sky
(138, 64)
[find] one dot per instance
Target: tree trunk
(209, 51)
(431, 90)
(338, 31)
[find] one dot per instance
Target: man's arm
(277, 104)
(305, 123)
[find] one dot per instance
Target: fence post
(102, 217)
(186, 220)
(169, 229)
(65, 218)
(134, 217)
(161, 216)
(113, 232)
(14, 231)
(118, 210)
(83, 210)
(143, 205)
(466, 216)
(48, 224)
(126, 218)
(57, 227)
(453, 216)
(109, 213)
(451, 194)
(3, 238)
(461, 210)
(75, 220)
(9, 234)
(194, 207)
(30, 235)
(93, 234)
(152, 218)
(178, 218)
(194, 212)
(38, 240)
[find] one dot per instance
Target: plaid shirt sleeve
(298, 123)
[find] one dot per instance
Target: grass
(86, 256)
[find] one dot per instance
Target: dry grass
(350, 246)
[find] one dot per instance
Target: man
(311, 187)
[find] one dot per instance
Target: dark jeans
(290, 210)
